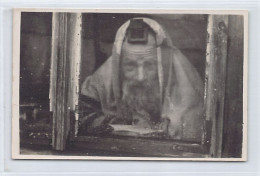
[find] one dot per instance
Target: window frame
(210, 146)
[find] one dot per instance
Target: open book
(132, 129)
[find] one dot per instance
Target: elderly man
(147, 82)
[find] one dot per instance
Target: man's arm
(92, 119)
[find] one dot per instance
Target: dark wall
(35, 54)
(233, 120)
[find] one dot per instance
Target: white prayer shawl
(181, 87)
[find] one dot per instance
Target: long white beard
(140, 100)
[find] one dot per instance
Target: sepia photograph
(130, 84)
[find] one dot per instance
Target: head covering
(140, 47)
(181, 88)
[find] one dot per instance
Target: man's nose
(140, 76)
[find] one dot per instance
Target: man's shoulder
(103, 73)
(106, 68)
(100, 78)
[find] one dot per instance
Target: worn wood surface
(75, 45)
(116, 146)
(215, 78)
(233, 121)
(65, 69)
(142, 146)
(60, 110)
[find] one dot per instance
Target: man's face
(139, 68)
(140, 83)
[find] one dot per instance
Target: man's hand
(94, 124)
(102, 129)
(164, 125)
(175, 128)
(142, 121)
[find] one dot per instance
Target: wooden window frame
(215, 73)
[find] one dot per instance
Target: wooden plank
(65, 68)
(75, 28)
(222, 65)
(60, 87)
(151, 147)
(53, 71)
(233, 122)
(215, 78)
(119, 146)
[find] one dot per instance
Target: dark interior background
(188, 33)
(35, 55)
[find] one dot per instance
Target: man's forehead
(150, 54)
(138, 48)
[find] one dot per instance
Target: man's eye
(129, 67)
(149, 65)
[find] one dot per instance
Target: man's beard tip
(145, 97)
